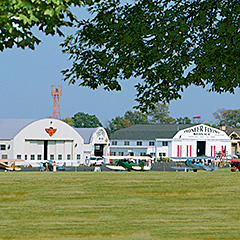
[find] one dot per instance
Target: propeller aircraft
(48, 164)
(128, 163)
(58, 167)
(235, 163)
(196, 163)
(4, 164)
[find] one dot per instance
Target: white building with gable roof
(50, 139)
(200, 140)
(170, 140)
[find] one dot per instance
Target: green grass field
(120, 205)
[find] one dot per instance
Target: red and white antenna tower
(56, 92)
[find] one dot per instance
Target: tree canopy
(229, 118)
(159, 115)
(130, 118)
(167, 44)
(83, 120)
(18, 17)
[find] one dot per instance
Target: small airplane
(235, 163)
(195, 163)
(50, 165)
(128, 163)
(4, 164)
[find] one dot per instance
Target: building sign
(202, 130)
(50, 131)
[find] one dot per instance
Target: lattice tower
(56, 92)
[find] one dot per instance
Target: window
(113, 154)
(139, 143)
(151, 143)
(165, 143)
(4, 156)
(162, 155)
(114, 143)
(32, 157)
(69, 157)
(39, 157)
(18, 156)
(59, 156)
(142, 154)
(120, 154)
(126, 143)
(26, 158)
(78, 156)
(97, 147)
(51, 157)
(2, 147)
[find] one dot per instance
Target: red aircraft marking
(50, 131)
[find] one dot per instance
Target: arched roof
(9, 128)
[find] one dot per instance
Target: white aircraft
(195, 163)
(128, 163)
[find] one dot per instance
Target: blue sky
(26, 79)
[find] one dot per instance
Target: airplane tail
(13, 166)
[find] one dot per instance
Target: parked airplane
(196, 163)
(60, 165)
(4, 164)
(128, 163)
(235, 163)
(49, 165)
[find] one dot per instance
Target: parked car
(94, 161)
(99, 161)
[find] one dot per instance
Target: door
(98, 150)
(201, 148)
(45, 153)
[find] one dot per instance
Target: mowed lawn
(120, 205)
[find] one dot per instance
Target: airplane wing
(116, 157)
(198, 167)
(183, 159)
(210, 168)
(113, 157)
(128, 157)
(11, 160)
(231, 160)
(182, 168)
(145, 168)
(116, 168)
(139, 157)
(9, 168)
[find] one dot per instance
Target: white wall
(64, 141)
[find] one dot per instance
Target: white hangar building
(50, 139)
(173, 140)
